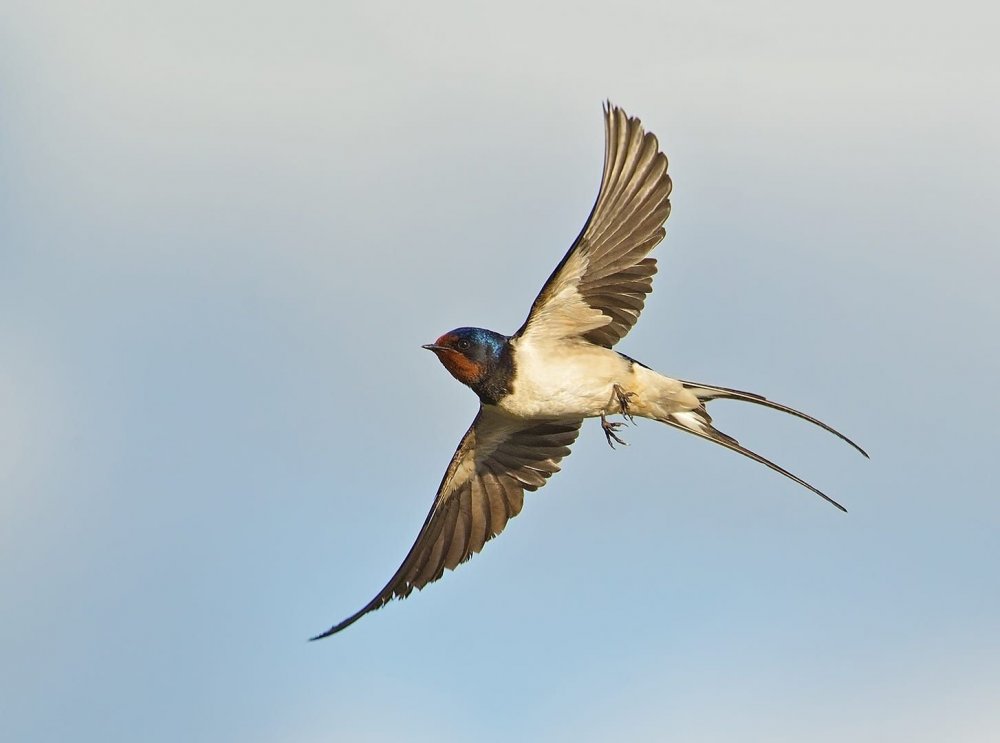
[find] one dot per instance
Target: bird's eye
(463, 345)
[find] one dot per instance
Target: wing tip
(613, 111)
(338, 627)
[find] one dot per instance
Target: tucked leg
(622, 397)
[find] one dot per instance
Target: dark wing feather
(499, 458)
(598, 289)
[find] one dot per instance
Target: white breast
(564, 378)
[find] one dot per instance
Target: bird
(537, 386)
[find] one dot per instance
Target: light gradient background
(227, 227)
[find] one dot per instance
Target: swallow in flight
(536, 386)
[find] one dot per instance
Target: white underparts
(577, 379)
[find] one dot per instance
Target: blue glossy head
(469, 354)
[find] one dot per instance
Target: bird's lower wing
(498, 459)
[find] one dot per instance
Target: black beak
(434, 347)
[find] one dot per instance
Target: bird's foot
(610, 427)
(623, 397)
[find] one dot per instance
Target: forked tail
(699, 422)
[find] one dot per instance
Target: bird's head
(469, 354)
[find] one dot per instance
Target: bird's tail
(699, 422)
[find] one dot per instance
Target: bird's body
(538, 385)
(567, 379)
(577, 379)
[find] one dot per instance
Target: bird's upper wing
(599, 288)
(499, 458)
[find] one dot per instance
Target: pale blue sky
(227, 227)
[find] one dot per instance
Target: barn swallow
(536, 386)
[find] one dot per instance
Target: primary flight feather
(535, 387)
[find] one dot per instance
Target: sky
(226, 228)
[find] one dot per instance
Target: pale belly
(570, 380)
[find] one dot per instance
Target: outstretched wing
(599, 288)
(499, 458)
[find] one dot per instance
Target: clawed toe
(624, 397)
(610, 427)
